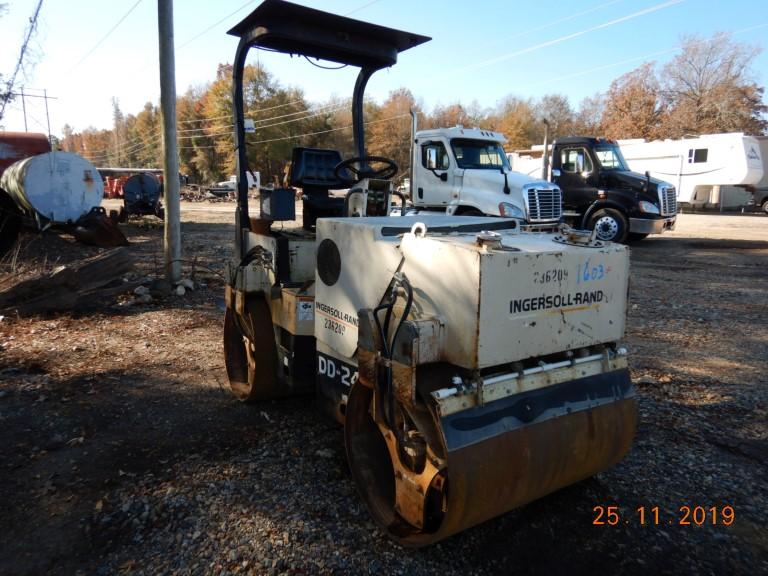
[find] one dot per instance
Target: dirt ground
(123, 451)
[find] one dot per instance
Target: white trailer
(735, 197)
(698, 166)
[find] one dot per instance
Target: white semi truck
(465, 172)
(473, 364)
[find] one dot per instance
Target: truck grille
(668, 199)
(544, 205)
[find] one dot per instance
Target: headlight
(508, 210)
(648, 207)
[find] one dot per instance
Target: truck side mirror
(444, 176)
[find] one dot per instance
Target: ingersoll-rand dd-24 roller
(473, 362)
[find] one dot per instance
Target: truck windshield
(610, 157)
(479, 154)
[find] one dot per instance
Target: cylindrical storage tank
(59, 186)
(141, 191)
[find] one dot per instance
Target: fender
(462, 208)
(597, 205)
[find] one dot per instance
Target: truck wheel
(765, 207)
(610, 224)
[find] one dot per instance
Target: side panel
(301, 254)
(353, 272)
(302, 259)
(535, 304)
(444, 276)
(334, 377)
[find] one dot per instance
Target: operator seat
(312, 170)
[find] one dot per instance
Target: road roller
(474, 362)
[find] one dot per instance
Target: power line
(330, 130)
(30, 30)
(548, 43)
(361, 7)
(397, 117)
(140, 143)
(587, 71)
(229, 116)
(559, 21)
(91, 51)
(212, 26)
(334, 107)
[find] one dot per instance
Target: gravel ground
(124, 453)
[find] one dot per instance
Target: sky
(87, 52)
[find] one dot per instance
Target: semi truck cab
(465, 171)
(600, 192)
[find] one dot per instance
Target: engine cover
(502, 297)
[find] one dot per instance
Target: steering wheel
(387, 171)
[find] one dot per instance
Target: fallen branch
(81, 285)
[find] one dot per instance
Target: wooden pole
(172, 236)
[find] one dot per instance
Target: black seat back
(312, 170)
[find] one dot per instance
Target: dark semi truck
(600, 192)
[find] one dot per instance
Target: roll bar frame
(281, 26)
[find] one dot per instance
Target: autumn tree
(336, 132)
(144, 147)
(633, 106)
(516, 119)
(455, 114)
(389, 135)
(708, 88)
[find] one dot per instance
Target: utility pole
(25, 95)
(47, 116)
(24, 108)
(172, 237)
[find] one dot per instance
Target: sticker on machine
(575, 300)
(334, 320)
(305, 310)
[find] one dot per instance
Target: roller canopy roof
(293, 29)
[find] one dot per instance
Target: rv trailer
(699, 166)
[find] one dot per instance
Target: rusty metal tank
(55, 186)
(15, 146)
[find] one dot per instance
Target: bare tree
(587, 120)
(708, 88)
(7, 92)
(555, 109)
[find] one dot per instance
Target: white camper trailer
(698, 166)
(752, 197)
